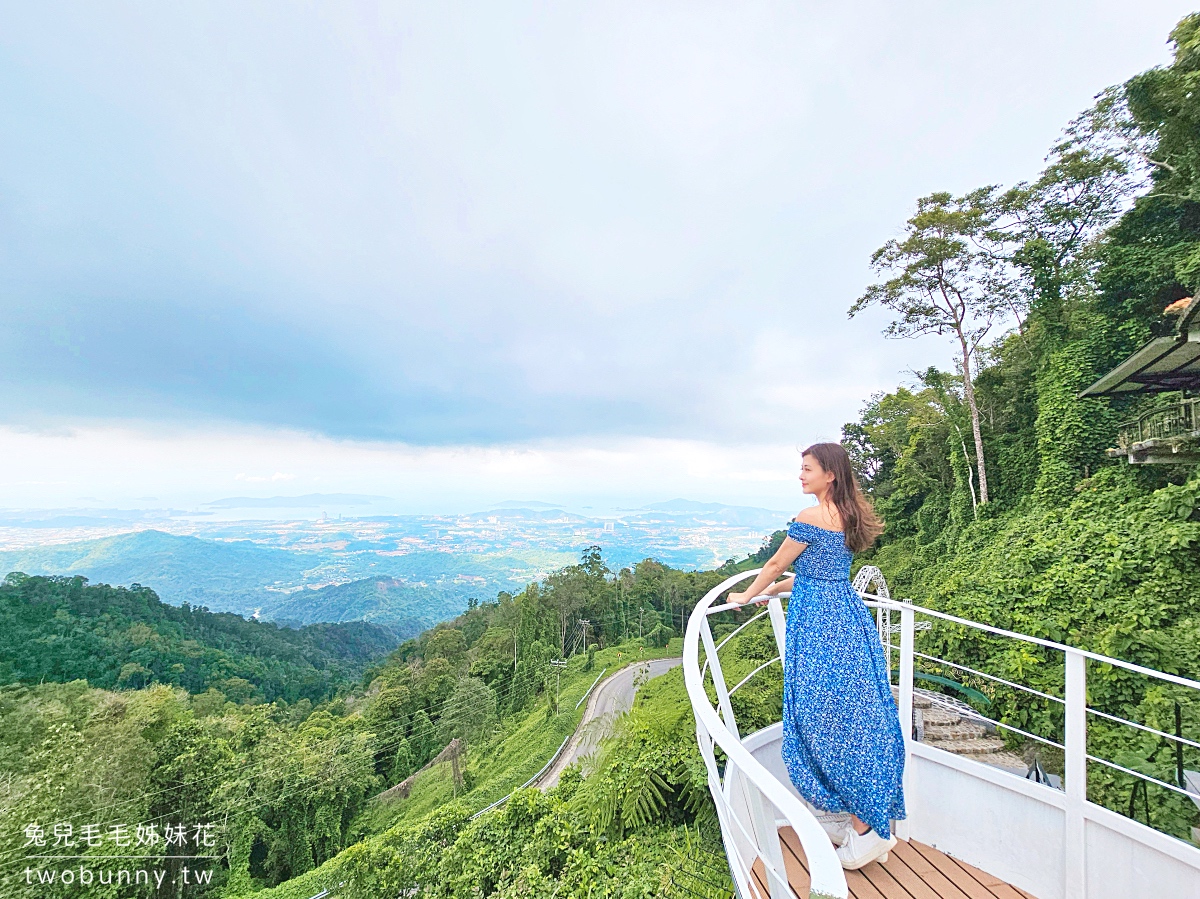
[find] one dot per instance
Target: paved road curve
(611, 697)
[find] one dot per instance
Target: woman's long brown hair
(859, 521)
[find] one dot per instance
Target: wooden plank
(927, 872)
(1006, 891)
(795, 862)
(912, 882)
(914, 871)
(988, 880)
(797, 875)
(999, 888)
(952, 872)
(758, 874)
(881, 878)
(860, 887)
(791, 842)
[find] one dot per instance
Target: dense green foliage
(638, 825)
(291, 782)
(1065, 544)
(63, 629)
(1072, 546)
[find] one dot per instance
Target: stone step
(919, 701)
(939, 717)
(971, 747)
(1006, 760)
(949, 733)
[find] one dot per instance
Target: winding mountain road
(611, 697)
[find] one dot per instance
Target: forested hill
(292, 783)
(1001, 502)
(1000, 499)
(63, 629)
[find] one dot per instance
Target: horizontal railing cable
(1146, 777)
(730, 636)
(1150, 730)
(999, 680)
(754, 672)
(947, 705)
(879, 602)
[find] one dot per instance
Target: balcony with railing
(1169, 433)
(974, 829)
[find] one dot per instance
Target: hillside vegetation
(1032, 526)
(291, 782)
(1001, 505)
(63, 629)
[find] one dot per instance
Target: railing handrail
(876, 602)
(824, 868)
(721, 729)
(1180, 408)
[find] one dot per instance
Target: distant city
(320, 558)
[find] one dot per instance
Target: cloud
(261, 479)
(114, 465)
(454, 225)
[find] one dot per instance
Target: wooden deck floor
(913, 871)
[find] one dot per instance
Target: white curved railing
(749, 799)
(752, 802)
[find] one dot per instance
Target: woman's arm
(779, 588)
(787, 553)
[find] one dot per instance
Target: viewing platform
(1168, 434)
(977, 826)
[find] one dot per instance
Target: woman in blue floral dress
(842, 743)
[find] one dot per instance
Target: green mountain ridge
(296, 586)
(63, 629)
(405, 608)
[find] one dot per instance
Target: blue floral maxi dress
(842, 744)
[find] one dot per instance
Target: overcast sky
(456, 253)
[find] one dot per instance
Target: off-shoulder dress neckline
(818, 527)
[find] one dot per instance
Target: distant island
(307, 501)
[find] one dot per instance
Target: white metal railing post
(766, 838)
(778, 626)
(1075, 748)
(907, 627)
(718, 676)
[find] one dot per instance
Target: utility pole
(559, 665)
(582, 629)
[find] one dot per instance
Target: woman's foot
(835, 825)
(860, 849)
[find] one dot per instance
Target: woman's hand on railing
(777, 589)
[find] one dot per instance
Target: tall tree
(1044, 227)
(940, 279)
(1165, 106)
(1164, 121)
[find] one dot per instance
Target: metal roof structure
(1165, 363)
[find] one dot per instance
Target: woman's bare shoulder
(817, 516)
(810, 515)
